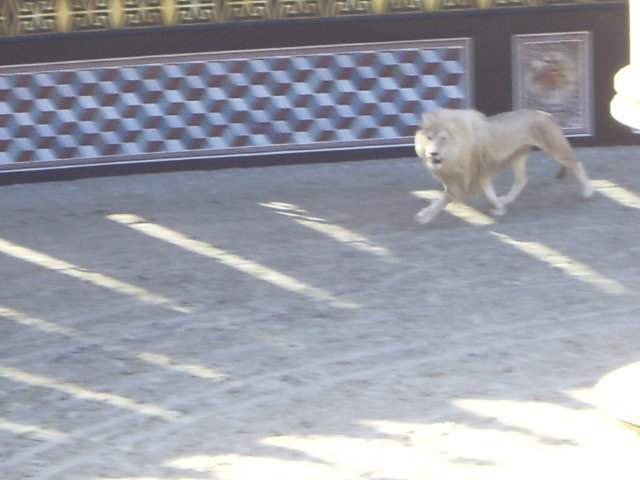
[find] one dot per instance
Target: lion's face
(434, 146)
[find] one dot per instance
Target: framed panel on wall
(553, 72)
(237, 103)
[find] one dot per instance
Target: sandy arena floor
(296, 323)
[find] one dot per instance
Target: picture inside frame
(552, 72)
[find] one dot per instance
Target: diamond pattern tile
(210, 105)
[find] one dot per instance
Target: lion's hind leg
(520, 179)
(568, 160)
(587, 187)
(554, 143)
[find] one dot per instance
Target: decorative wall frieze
(38, 17)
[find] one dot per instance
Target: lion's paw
(424, 216)
(587, 192)
(498, 212)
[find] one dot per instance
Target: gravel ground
(295, 322)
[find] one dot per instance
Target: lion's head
(433, 146)
(435, 140)
(445, 136)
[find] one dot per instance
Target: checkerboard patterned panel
(239, 103)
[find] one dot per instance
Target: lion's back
(512, 130)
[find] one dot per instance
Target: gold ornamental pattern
(47, 17)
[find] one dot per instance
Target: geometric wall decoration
(229, 103)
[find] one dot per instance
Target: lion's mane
(469, 154)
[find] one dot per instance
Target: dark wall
(490, 29)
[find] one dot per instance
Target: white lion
(465, 150)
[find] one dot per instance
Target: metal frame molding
(228, 104)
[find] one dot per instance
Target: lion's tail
(561, 173)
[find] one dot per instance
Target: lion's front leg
(499, 207)
(427, 214)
